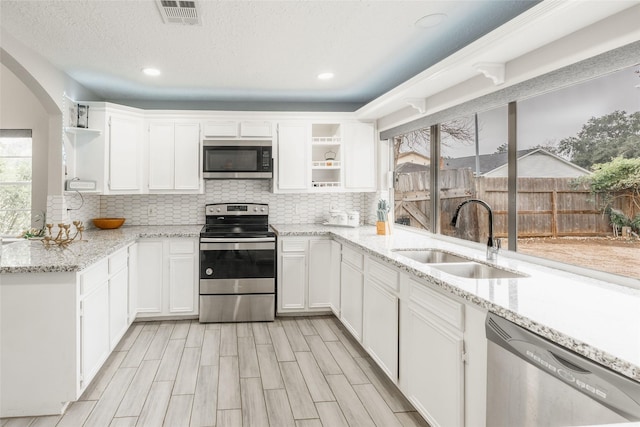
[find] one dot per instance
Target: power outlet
(296, 209)
(151, 210)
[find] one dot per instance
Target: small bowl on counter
(108, 223)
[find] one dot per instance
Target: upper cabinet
(325, 157)
(237, 129)
(359, 156)
(174, 157)
(292, 167)
(113, 158)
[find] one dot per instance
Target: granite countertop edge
(30, 256)
(587, 350)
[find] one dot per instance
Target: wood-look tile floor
(299, 372)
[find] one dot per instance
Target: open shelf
(83, 131)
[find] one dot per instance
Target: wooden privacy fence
(547, 207)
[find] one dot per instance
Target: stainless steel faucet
(493, 245)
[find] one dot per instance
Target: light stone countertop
(594, 318)
(30, 256)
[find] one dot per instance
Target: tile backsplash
(175, 209)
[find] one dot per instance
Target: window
(412, 189)
(575, 195)
(15, 182)
(579, 174)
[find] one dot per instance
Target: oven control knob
(218, 210)
(208, 271)
(262, 209)
(255, 209)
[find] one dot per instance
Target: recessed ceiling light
(325, 76)
(430, 20)
(151, 71)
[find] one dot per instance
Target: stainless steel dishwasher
(534, 382)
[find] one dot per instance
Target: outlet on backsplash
(151, 210)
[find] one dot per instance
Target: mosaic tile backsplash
(177, 209)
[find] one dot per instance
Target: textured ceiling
(251, 52)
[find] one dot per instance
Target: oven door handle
(235, 245)
(236, 240)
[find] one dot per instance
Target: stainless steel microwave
(242, 159)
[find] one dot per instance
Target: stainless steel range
(237, 264)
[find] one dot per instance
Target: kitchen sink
(475, 270)
(430, 256)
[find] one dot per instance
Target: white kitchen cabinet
(334, 282)
(125, 153)
(432, 355)
(325, 156)
(167, 277)
(320, 257)
(359, 156)
(256, 129)
(380, 316)
(118, 296)
(235, 128)
(174, 157)
(292, 156)
(351, 290)
(133, 283)
(306, 270)
(150, 277)
(94, 320)
(183, 275)
(114, 158)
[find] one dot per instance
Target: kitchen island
(63, 310)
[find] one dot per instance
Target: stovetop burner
(242, 220)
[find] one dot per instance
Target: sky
(557, 115)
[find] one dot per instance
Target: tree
(454, 131)
(549, 146)
(617, 178)
(604, 138)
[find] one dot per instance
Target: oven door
(237, 266)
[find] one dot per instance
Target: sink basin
(474, 270)
(430, 256)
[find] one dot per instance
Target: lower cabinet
(94, 330)
(381, 307)
(307, 274)
(104, 311)
(351, 290)
(167, 277)
(432, 351)
(334, 282)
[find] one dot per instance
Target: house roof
(491, 162)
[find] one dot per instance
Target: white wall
(47, 85)
(20, 109)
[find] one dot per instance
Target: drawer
(384, 275)
(94, 276)
(294, 245)
(117, 261)
(444, 308)
(352, 257)
(182, 247)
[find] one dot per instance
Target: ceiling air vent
(179, 12)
